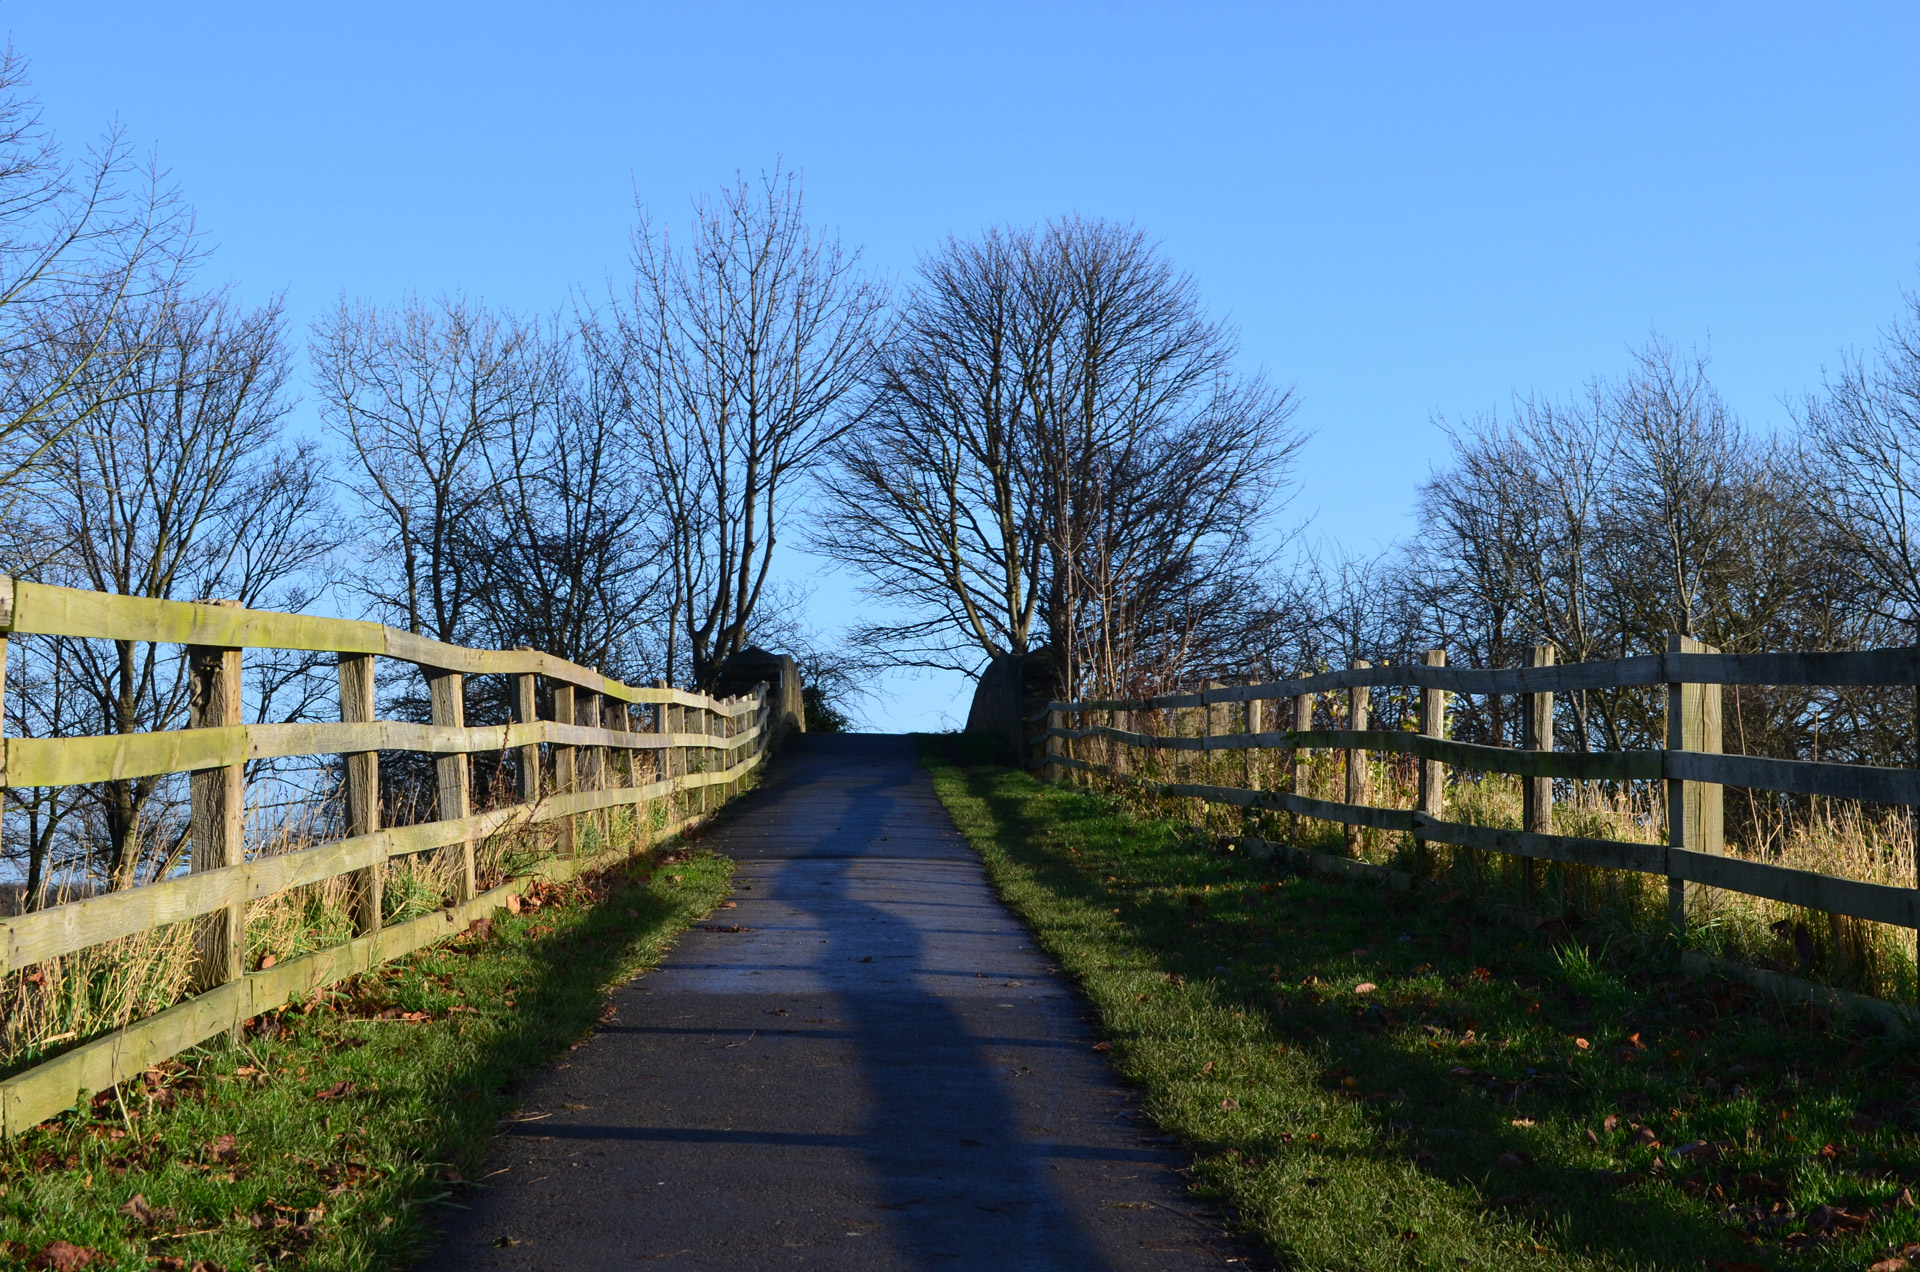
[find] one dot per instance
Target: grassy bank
(1374, 1080)
(325, 1137)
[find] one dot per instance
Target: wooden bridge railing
(1692, 765)
(604, 756)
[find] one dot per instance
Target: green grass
(1449, 1117)
(327, 1137)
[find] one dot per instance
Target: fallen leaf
(338, 1090)
(1515, 1159)
(1612, 1120)
(513, 903)
(1103, 1046)
(1581, 1043)
(64, 1256)
(266, 961)
(1365, 987)
(1229, 1103)
(1892, 1264)
(222, 1148)
(140, 1212)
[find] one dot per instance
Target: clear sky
(1410, 211)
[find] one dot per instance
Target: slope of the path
(875, 1070)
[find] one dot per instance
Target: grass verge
(1377, 1080)
(325, 1136)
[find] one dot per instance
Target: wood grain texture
(526, 711)
(219, 809)
(453, 785)
(42, 609)
(358, 706)
(1896, 666)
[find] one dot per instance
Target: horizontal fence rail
(1692, 766)
(597, 759)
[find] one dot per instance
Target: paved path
(882, 1073)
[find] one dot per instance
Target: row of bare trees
(1601, 523)
(607, 483)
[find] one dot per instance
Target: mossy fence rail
(1692, 764)
(611, 745)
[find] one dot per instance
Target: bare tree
(176, 486)
(928, 498)
(1866, 427)
(564, 548)
(420, 393)
(742, 351)
(78, 240)
(1054, 440)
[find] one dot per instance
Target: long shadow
(899, 1107)
(1424, 1111)
(959, 1181)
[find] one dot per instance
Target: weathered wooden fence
(1692, 764)
(603, 756)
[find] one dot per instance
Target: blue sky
(1409, 211)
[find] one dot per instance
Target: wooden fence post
(1356, 758)
(620, 720)
(1302, 722)
(1255, 713)
(1050, 745)
(357, 706)
(526, 710)
(1433, 774)
(1694, 809)
(1536, 793)
(593, 759)
(565, 769)
(6, 622)
(219, 806)
(447, 696)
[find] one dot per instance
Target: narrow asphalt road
(877, 1071)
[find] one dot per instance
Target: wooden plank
(1895, 666)
(1801, 777)
(219, 811)
(358, 706)
(1612, 854)
(447, 699)
(74, 761)
(1875, 902)
(30, 1098)
(42, 609)
(57, 930)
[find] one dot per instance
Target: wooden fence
(1692, 764)
(602, 757)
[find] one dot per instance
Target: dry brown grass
(57, 1004)
(1829, 837)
